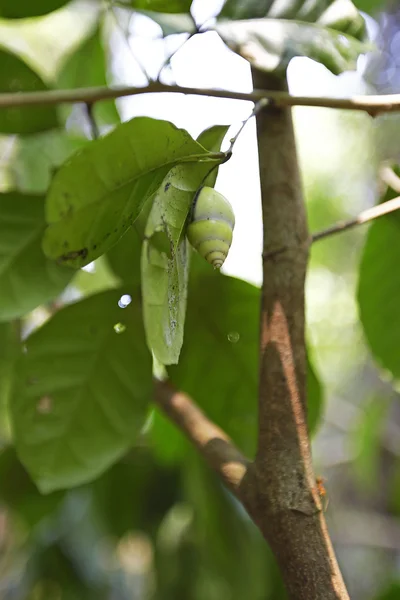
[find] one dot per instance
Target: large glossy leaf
(97, 194)
(86, 66)
(83, 388)
(27, 277)
(269, 34)
(16, 76)
(9, 9)
(162, 6)
(219, 357)
(379, 292)
(165, 256)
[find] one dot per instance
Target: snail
(211, 226)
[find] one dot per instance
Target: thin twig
(367, 215)
(373, 105)
(213, 444)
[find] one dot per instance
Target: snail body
(211, 227)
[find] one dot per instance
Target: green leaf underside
(270, 44)
(337, 14)
(27, 277)
(162, 6)
(86, 66)
(219, 358)
(82, 391)
(98, 193)
(165, 256)
(16, 76)
(171, 23)
(379, 292)
(21, 9)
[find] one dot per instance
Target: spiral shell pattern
(211, 227)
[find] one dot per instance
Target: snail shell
(211, 227)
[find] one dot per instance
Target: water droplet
(124, 301)
(45, 405)
(119, 328)
(233, 337)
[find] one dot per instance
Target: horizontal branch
(373, 105)
(213, 443)
(367, 215)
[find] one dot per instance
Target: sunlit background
(358, 442)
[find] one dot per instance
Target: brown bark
(280, 488)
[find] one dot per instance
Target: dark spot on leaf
(94, 247)
(65, 244)
(167, 186)
(115, 230)
(82, 253)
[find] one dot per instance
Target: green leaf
(269, 34)
(167, 441)
(34, 159)
(378, 292)
(171, 23)
(124, 257)
(212, 138)
(15, 77)
(22, 9)
(323, 12)
(97, 194)
(161, 6)
(86, 66)
(20, 494)
(83, 389)
(315, 396)
(219, 358)
(9, 347)
(165, 256)
(27, 277)
(392, 592)
(366, 442)
(372, 7)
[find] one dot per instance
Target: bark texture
(280, 487)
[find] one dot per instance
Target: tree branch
(213, 444)
(373, 105)
(364, 217)
(280, 488)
